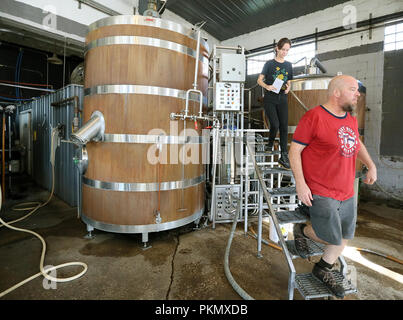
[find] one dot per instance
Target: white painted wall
(326, 19)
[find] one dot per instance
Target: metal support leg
(260, 224)
(89, 235)
(291, 286)
(343, 266)
(144, 239)
(197, 226)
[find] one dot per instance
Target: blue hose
(13, 99)
(18, 72)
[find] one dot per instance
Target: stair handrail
(272, 214)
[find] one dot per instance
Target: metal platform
(311, 288)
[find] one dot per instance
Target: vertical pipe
(197, 61)
(249, 108)
(247, 188)
(9, 150)
(78, 193)
(2, 157)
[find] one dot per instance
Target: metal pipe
(228, 48)
(25, 87)
(98, 7)
(26, 83)
(197, 60)
(3, 178)
(76, 109)
(338, 30)
(315, 62)
(78, 193)
(300, 102)
(94, 129)
(9, 150)
(249, 109)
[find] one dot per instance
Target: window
(296, 53)
(256, 63)
(393, 37)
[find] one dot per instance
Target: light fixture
(54, 59)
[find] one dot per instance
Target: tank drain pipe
(92, 130)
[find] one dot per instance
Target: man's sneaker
(283, 161)
(300, 241)
(326, 276)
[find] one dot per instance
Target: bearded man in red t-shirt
(323, 153)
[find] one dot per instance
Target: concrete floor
(182, 264)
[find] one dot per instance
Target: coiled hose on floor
(42, 272)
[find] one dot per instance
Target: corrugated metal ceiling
(226, 19)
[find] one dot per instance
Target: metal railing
(267, 197)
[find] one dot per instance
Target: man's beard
(349, 108)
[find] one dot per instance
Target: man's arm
(365, 158)
(303, 191)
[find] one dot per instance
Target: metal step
(311, 288)
(276, 171)
(284, 191)
(267, 153)
(313, 249)
(295, 216)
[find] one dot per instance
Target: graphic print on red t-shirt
(347, 140)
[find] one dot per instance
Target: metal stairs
(285, 212)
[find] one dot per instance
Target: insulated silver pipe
(94, 129)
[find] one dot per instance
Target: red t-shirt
(332, 145)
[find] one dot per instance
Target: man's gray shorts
(333, 220)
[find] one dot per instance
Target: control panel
(232, 67)
(225, 204)
(227, 96)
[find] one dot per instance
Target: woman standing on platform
(277, 72)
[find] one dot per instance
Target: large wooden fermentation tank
(137, 72)
(311, 91)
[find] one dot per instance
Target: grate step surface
(284, 191)
(287, 216)
(276, 171)
(313, 249)
(267, 153)
(311, 288)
